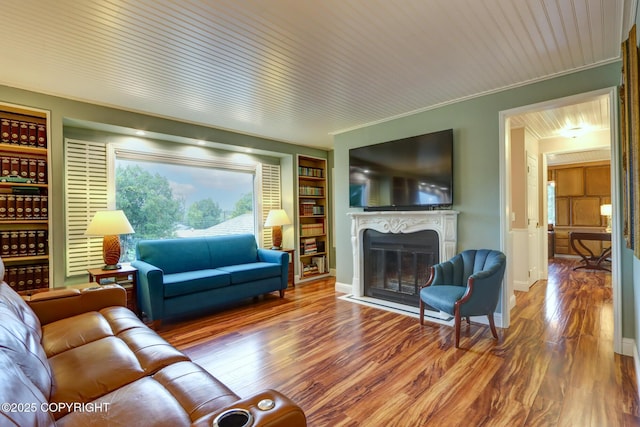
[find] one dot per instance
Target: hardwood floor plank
(350, 365)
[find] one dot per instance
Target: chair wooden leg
(421, 312)
(492, 325)
(468, 320)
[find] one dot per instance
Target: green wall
(62, 109)
(476, 161)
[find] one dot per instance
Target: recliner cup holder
(236, 417)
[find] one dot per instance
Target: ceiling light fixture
(574, 131)
(140, 133)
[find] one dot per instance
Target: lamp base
(276, 237)
(111, 252)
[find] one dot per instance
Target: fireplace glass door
(396, 264)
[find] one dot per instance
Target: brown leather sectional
(79, 357)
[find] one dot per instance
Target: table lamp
(606, 210)
(110, 224)
(276, 219)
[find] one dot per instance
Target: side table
(126, 276)
(291, 253)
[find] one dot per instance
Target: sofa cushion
(152, 351)
(22, 346)
(194, 281)
(85, 373)
(232, 249)
(250, 272)
(181, 393)
(17, 388)
(19, 307)
(71, 332)
(175, 255)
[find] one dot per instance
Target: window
(551, 202)
(90, 186)
(166, 200)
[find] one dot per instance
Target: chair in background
(466, 285)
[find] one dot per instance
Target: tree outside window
(171, 201)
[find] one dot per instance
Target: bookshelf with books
(24, 196)
(312, 220)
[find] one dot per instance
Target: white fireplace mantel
(443, 222)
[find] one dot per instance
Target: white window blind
(86, 191)
(271, 198)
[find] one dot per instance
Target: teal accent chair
(466, 285)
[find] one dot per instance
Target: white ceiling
(298, 71)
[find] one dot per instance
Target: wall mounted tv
(406, 174)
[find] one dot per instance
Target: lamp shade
(605, 210)
(277, 217)
(109, 223)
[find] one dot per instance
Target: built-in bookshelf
(24, 197)
(312, 220)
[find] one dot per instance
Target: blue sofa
(184, 276)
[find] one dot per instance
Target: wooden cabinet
(313, 249)
(24, 196)
(580, 191)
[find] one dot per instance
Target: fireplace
(382, 281)
(395, 265)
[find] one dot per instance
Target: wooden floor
(350, 365)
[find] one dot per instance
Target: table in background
(126, 276)
(589, 259)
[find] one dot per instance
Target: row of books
(318, 265)
(22, 132)
(310, 190)
(17, 243)
(315, 229)
(309, 207)
(309, 246)
(312, 172)
(24, 167)
(21, 207)
(24, 278)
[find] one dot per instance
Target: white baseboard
(345, 288)
(522, 286)
(629, 348)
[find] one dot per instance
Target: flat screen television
(406, 174)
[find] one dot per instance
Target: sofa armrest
(277, 257)
(150, 290)
(57, 304)
(284, 413)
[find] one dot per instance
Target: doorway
(512, 241)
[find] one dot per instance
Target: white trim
(616, 256)
(629, 348)
(344, 288)
(477, 95)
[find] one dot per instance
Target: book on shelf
(310, 190)
(309, 246)
(310, 207)
(312, 172)
(314, 229)
(320, 262)
(309, 269)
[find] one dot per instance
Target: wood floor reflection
(350, 365)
